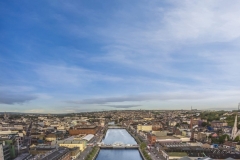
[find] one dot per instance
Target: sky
(82, 55)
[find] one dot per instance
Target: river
(118, 136)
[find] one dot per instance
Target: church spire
(234, 129)
(5, 116)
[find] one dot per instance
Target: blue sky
(71, 56)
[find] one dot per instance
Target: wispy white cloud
(149, 51)
(174, 37)
(122, 106)
(35, 111)
(202, 21)
(71, 75)
(180, 95)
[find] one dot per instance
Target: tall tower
(234, 129)
(6, 116)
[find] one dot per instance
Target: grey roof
(23, 156)
(70, 142)
(185, 158)
(205, 158)
(55, 155)
(88, 137)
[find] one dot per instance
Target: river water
(118, 136)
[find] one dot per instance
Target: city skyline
(65, 57)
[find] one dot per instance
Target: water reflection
(119, 154)
(118, 136)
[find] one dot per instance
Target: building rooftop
(23, 156)
(177, 154)
(196, 151)
(43, 147)
(205, 158)
(86, 127)
(185, 158)
(56, 154)
(70, 142)
(88, 137)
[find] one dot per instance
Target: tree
(204, 124)
(221, 140)
(177, 125)
(236, 139)
(215, 140)
(143, 145)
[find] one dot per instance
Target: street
(96, 139)
(154, 154)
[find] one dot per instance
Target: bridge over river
(119, 145)
(116, 127)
